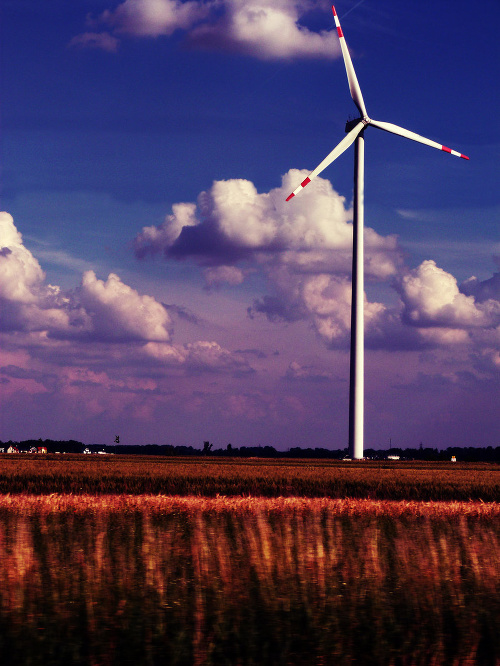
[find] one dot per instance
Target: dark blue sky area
(115, 111)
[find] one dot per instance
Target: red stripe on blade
(305, 182)
(333, 10)
(464, 157)
(290, 197)
(339, 31)
(446, 150)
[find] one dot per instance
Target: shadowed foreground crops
(170, 580)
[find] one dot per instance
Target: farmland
(119, 560)
(208, 477)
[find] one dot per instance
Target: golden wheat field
(104, 578)
(207, 477)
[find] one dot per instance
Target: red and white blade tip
(337, 24)
(299, 188)
(349, 67)
(401, 131)
(454, 152)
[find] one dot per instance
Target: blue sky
(227, 319)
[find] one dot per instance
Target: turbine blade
(349, 68)
(338, 150)
(394, 129)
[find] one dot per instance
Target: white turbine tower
(355, 130)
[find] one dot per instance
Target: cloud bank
(98, 312)
(258, 28)
(303, 248)
(104, 354)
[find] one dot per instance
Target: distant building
(453, 458)
(12, 449)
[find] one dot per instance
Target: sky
(154, 283)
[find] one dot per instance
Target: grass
(209, 477)
(134, 579)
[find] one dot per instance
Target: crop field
(239, 568)
(209, 477)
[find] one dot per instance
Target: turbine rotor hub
(351, 124)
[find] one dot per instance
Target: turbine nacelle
(351, 124)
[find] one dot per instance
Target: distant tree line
(462, 454)
(52, 445)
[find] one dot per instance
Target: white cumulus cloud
(232, 220)
(304, 250)
(20, 273)
(152, 239)
(81, 324)
(328, 300)
(196, 357)
(264, 29)
(431, 297)
(109, 310)
(27, 303)
(119, 312)
(303, 247)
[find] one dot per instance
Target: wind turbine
(355, 131)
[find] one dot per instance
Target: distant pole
(356, 374)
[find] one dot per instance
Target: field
(209, 477)
(189, 561)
